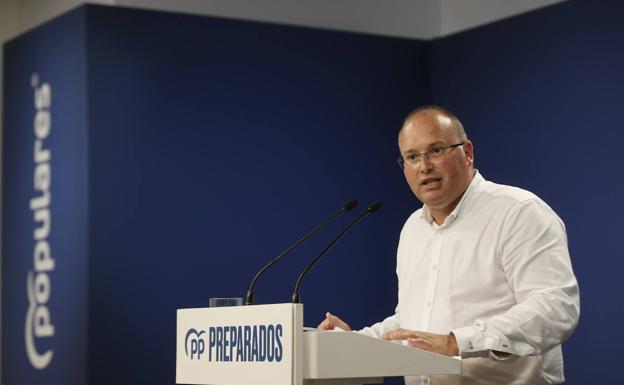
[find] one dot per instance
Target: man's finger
(399, 334)
(419, 343)
(335, 322)
(328, 323)
(325, 324)
(330, 316)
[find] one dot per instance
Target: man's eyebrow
(437, 143)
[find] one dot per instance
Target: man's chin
(431, 198)
(433, 204)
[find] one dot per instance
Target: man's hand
(331, 321)
(438, 343)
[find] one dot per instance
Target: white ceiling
(420, 19)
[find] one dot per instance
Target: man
(483, 269)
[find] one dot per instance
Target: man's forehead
(429, 123)
(426, 130)
(431, 117)
(444, 121)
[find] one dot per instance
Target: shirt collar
(476, 180)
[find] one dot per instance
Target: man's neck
(439, 216)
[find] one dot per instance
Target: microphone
(369, 210)
(350, 205)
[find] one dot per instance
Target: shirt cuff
(467, 341)
(473, 342)
(497, 355)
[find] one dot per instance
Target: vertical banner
(39, 329)
(44, 224)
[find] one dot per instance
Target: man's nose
(425, 164)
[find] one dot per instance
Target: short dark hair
(459, 127)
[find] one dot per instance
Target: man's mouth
(430, 180)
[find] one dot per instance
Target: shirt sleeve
(534, 257)
(380, 328)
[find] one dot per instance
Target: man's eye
(436, 150)
(412, 156)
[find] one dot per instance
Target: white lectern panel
(240, 345)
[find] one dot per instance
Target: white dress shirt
(497, 274)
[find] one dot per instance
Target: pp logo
(197, 343)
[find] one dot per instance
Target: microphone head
(374, 207)
(350, 205)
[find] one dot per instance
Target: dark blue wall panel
(540, 96)
(216, 143)
(187, 151)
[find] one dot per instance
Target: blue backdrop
(212, 145)
(189, 150)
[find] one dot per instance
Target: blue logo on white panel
(244, 343)
(197, 343)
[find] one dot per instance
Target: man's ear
(469, 152)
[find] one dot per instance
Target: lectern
(267, 345)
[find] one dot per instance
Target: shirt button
(428, 303)
(435, 267)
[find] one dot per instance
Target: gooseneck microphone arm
(369, 210)
(350, 205)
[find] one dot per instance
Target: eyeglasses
(436, 153)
